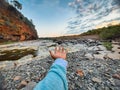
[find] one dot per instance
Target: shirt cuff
(61, 62)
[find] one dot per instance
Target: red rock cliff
(13, 25)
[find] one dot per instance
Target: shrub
(110, 33)
(108, 45)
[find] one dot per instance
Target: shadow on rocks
(2, 82)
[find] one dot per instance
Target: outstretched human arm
(56, 77)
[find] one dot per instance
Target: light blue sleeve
(56, 77)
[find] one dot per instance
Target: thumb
(51, 53)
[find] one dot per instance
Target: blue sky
(63, 17)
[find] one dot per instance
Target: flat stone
(23, 82)
(30, 86)
(80, 73)
(90, 71)
(89, 56)
(97, 80)
(116, 76)
(17, 78)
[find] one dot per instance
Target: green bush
(108, 45)
(110, 32)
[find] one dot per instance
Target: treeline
(110, 32)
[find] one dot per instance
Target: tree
(16, 4)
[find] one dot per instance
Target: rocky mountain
(13, 25)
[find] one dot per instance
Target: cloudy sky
(63, 17)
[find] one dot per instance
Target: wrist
(62, 62)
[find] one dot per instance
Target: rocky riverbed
(91, 66)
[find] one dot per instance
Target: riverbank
(91, 66)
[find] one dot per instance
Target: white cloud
(91, 13)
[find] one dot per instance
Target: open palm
(59, 52)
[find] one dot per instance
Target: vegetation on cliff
(13, 25)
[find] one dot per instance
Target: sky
(65, 17)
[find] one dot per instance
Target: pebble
(17, 78)
(23, 82)
(30, 86)
(80, 73)
(97, 80)
(116, 76)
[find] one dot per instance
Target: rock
(59, 42)
(89, 55)
(17, 78)
(1, 81)
(30, 86)
(21, 30)
(97, 48)
(90, 71)
(116, 76)
(97, 80)
(106, 57)
(22, 84)
(80, 73)
(117, 82)
(1, 36)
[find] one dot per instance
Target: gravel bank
(83, 73)
(91, 66)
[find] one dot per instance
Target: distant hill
(110, 32)
(105, 33)
(13, 25)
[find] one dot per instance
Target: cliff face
(13, 25)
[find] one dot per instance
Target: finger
(62, 49)
(59, 49)
(56, 49)
(51, 53)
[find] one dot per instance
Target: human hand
(59, 52)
